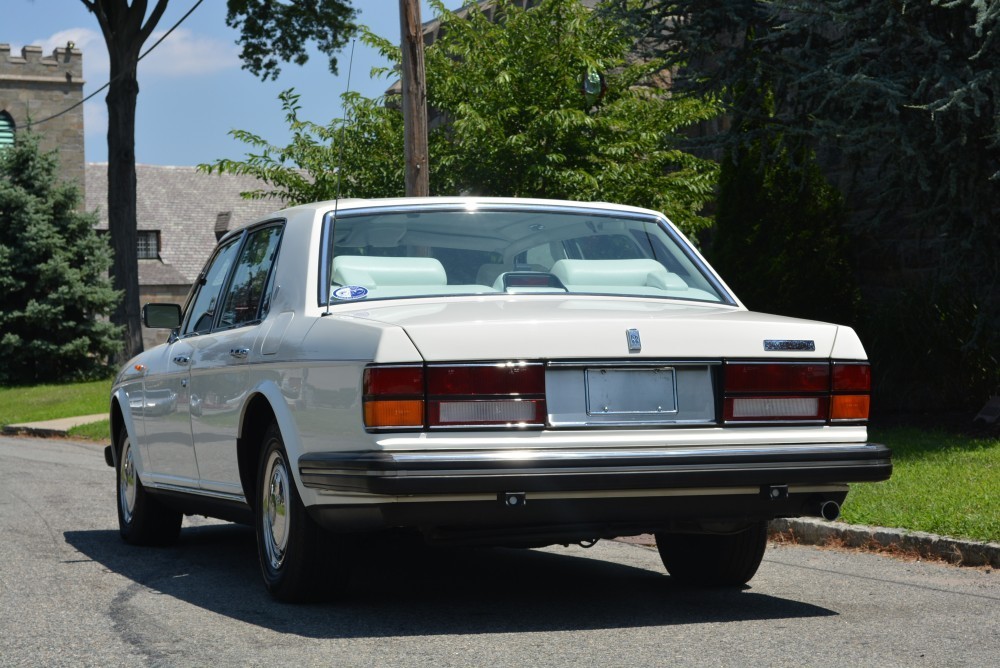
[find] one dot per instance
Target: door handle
(239, 353)
(182, 360)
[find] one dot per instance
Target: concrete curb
(50, 428)
(808, 531)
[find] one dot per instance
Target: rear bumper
(592, 469)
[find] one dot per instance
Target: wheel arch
(260, 410)
(120, 414)
(117, 424)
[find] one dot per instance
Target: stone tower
(33, 88)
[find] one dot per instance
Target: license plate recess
(637, 391)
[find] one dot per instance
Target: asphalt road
(71, 593)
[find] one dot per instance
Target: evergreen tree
(779, 239)
(54, 285)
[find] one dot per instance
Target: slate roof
(183, 204)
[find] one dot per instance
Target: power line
(70, 108)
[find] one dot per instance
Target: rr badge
(634, 342)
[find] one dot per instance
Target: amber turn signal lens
(850, 407)
(394, 413)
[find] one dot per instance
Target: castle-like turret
(34, 87)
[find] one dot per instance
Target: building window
(148, 245)
(6, 129)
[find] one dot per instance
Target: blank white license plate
(631, 391)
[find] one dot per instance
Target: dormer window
(148, 245)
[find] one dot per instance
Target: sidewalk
(803, 530)
(51, 428)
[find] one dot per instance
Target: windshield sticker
(350, 293)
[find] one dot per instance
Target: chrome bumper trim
(489, 471)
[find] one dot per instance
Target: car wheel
(142, 519)
(713, 560)
(297, 558)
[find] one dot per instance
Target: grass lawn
(51, 402)
(941, 483)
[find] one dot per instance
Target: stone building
(40, 92)
(180, 212)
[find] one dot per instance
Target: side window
(202, 309)
(246, 296)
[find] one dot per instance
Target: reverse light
(510, 394)
(796, 391)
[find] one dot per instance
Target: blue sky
(192, 90)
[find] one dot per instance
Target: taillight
(394, 397)
(508, 394)
(851, 386)
(795, 391)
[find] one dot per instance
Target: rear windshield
(421, 253)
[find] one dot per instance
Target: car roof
(349, 204)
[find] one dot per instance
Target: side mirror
(161, 316)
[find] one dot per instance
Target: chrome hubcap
(126, 482)
(275, 512)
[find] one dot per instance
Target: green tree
(367, 151)
(779, 239)
(54, 287)
(513, 120)
(900, 101)
(269, 32)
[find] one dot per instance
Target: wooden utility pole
(414, 100)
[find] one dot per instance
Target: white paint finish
(550, 327)
(273, 332)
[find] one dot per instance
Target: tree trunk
(414, 100)
(122, 223)
(124, 34)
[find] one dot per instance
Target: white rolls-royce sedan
(487, 371)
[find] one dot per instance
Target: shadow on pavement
(402, 588)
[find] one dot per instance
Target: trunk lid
(580, 327)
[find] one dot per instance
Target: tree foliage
(277, 31)
(54, 289)
(367, 151)
(779, 238)
(900, 101)
(512, 120)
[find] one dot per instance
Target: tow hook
(774, 492)
(512, 499)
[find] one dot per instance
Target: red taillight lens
(795, 391)
(777, 377)
(510, 379)
(851, 377)
(478, 395)
(394, 397)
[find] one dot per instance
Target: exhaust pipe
(829, 510)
